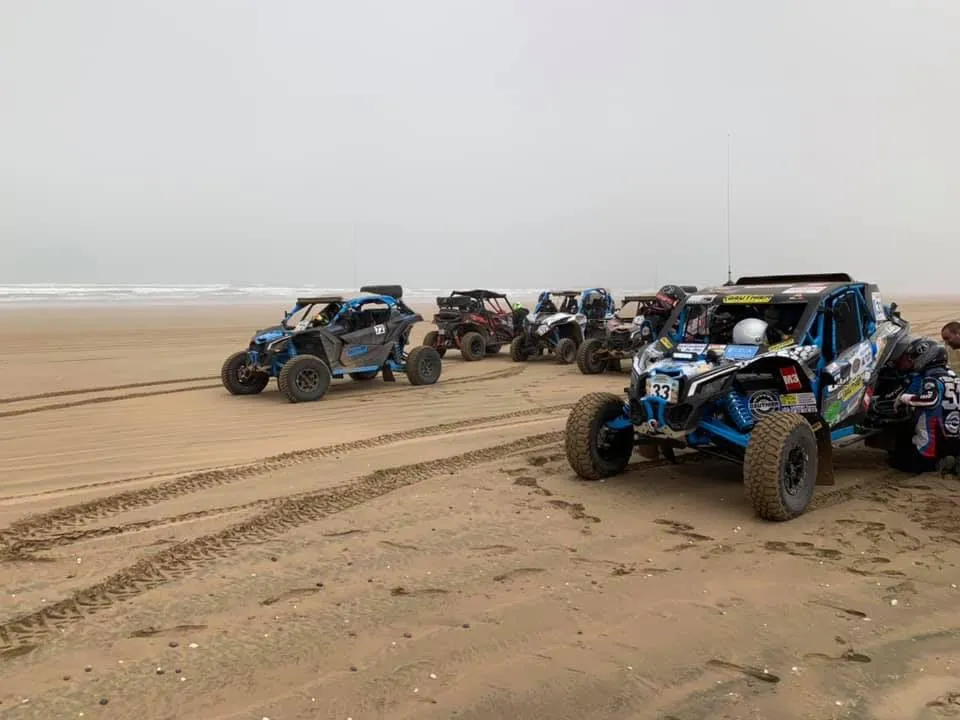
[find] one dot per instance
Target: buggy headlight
(543, 330)
(277, 344)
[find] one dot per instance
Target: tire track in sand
(482, 377)
(104, 388)
(34, 532)
(21, 634)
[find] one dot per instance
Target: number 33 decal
(661, 390)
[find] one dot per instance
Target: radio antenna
(729, 243)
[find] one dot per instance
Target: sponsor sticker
(763, 402)
(951, 423)
(356, 350)
(679, 355)
(666, 342)
(832, 413)
(803, 403)
(850, 390)
(878, 311)
(746, 299)
(791, 380)
(805, 290)
(782, 345)
(701, 299)
(695, 348)
(740, 352)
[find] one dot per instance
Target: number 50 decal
(951, 393)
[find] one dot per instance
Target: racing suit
(935, 396)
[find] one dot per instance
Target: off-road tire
(229, 376)
(362, 376)
(431, 339)
(518, 349)
(566, 351)
(774, 438)
(584, 454)
(587, 359)
(493, 349)
(423, 365)
(472, 346)
(304, 378)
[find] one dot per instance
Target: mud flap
(388, 375)
(825, 474)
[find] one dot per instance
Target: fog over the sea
(506, 143)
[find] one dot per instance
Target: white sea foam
(50, 294)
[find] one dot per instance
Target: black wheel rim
(795, 470)
(476, 347)
(427, 368)
(307, 380)
(246, 374)
(612, 444)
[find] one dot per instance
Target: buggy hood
(696, 359)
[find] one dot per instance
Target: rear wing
(321, 300)
(457, 302)
(637, 298)
(794, 279)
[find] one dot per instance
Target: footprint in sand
(398, 546)
(576, 510)
(683, 530)
(152, 631)
(495, 549)
(290, 595)
(531, 482)
(848, 655)
(519, 572)
(401, 591)
(756, 673)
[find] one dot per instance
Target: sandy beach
(169, 551)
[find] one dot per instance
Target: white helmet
(752, 331)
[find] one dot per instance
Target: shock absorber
(738, 408)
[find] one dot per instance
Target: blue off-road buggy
(772, 372)
(333, 337)
(561, 320)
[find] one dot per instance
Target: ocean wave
(91, 293)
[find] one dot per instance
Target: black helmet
(916, 353)
(667, 298)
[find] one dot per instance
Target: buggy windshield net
(714, 323)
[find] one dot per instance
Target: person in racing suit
(932, 395)
(656, 311)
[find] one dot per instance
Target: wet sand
(425, 552)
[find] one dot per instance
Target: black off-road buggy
(475, 322)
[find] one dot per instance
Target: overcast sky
(508, 143)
